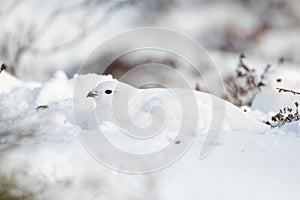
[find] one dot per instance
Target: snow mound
(41, 156)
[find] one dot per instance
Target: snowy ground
(42, 157)
(41, 154)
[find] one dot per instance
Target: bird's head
(106, 88)
(109, 88)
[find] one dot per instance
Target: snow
(42, 152)
(242, 166)
(283, 77)
(42, 156)
(9, 82)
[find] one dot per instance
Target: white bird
(145, 112)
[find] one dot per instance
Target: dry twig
(284, 116)
(243, 87)
(3, 67)
(286, 90)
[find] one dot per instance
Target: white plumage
(142, 111)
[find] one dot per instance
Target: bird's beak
(92, 94)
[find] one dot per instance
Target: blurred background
(38, 38)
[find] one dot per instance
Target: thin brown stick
(242, 64)
(286, 90)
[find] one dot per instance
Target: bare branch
(11, 6)
(88, 28)
(14, 47)
(242, 64)
(57, 13)
(287, 90)
(243, 87)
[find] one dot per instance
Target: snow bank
(41, 156)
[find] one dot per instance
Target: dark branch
(242, 64)
(3, 67)
(286, 90)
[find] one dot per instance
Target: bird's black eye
(108, 91)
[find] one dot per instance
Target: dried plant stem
(286, 90)
(3, 67)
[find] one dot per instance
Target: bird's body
(147, 111)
